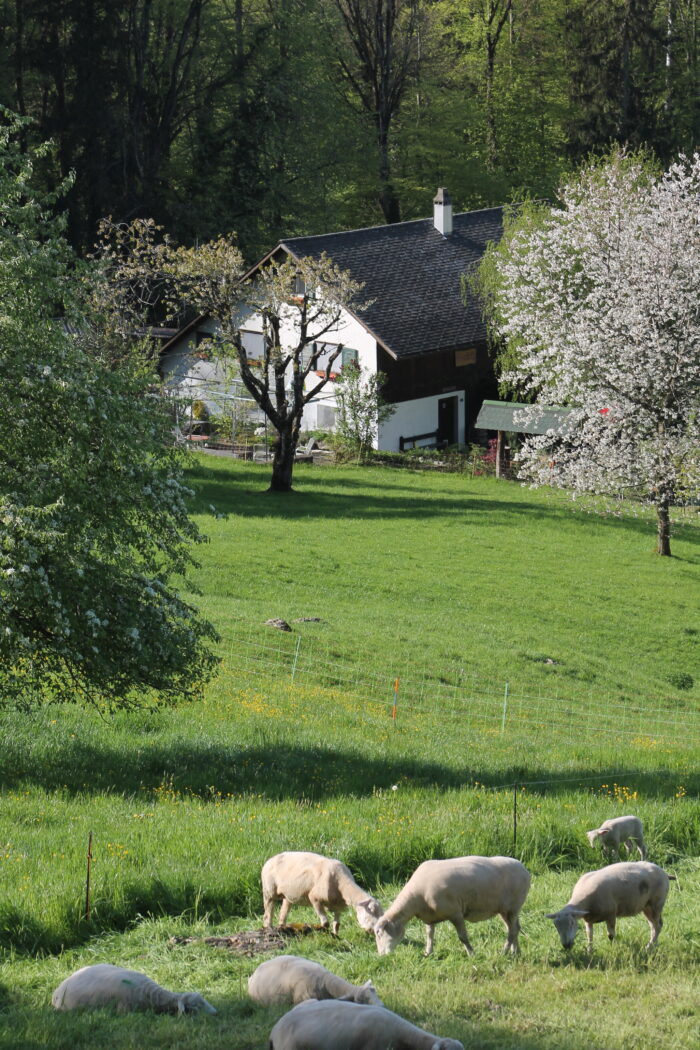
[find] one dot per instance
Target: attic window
(465, 357)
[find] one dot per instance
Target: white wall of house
(418, 417)
(209, 381)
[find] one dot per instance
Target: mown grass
(185, 805)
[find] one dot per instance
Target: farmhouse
(417, 326)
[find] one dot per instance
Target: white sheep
(612, 833)
(315, 1025)
(292, 979)
(471, 888)
(309, 878)
(611, 893)
(125, 990)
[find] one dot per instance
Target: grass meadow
(456, 586)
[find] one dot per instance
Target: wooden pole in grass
(396, 699)
(87, 880)
(515, 817)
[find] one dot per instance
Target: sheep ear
(578, 913)
(366, 904)
(368, 984)
(552, 915)
(603, 831)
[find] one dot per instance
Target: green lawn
(456, 586)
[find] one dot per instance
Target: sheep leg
(320, 910)
(610, 923)
(458, 923)
(429, 937)
(284, 911)
(269, 911)
(655, 922)
(336, 922)
(589, 934)
(513, 927)
(642, 849)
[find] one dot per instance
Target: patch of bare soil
(253, 942)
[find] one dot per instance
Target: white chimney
(442, 212)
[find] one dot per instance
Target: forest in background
(278, 118)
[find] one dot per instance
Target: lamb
(291, 979)
(472, 888)
(315, 1025)
(612, 833)
(319, 881)
(125, 990)
(614, 892)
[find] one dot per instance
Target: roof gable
(412, 277)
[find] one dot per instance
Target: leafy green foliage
(94, 529)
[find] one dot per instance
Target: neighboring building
(416, 328)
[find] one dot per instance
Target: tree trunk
(283, 462)
(663, 529)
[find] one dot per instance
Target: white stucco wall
(210, 382)
(418, 417)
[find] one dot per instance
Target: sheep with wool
(315, 1025)
(324, 883)
(611, 893)
(292, 979)
(455, 890)
(612, 833)
(125, 990)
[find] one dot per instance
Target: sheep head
(192, 1002)
(566, 922)
(367, 912)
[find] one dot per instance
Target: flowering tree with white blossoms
(95, 537)
(597, 304)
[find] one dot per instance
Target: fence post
(515, 818)
(296, 657)
(87, 880)
(505, 709)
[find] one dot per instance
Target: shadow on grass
(328, 498)
(277, 770)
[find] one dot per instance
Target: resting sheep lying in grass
(291, 979)
(612, 833)
(125, 990)
(317, 1025)
(471, 888)
(309, 878)
(611, 893)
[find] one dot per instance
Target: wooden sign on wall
(465, 357)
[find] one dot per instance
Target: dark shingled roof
(413, 274)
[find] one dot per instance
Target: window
(350, 357)
(254, 345)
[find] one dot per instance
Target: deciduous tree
(95, 536)
(297, 303)
(598, 302)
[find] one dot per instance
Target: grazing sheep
(126, 990)
(472, 888)
(612, 833)
(309, 878)
(291, 979)
(611, 893)
(317, 1025)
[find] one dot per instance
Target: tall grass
(436, 573)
